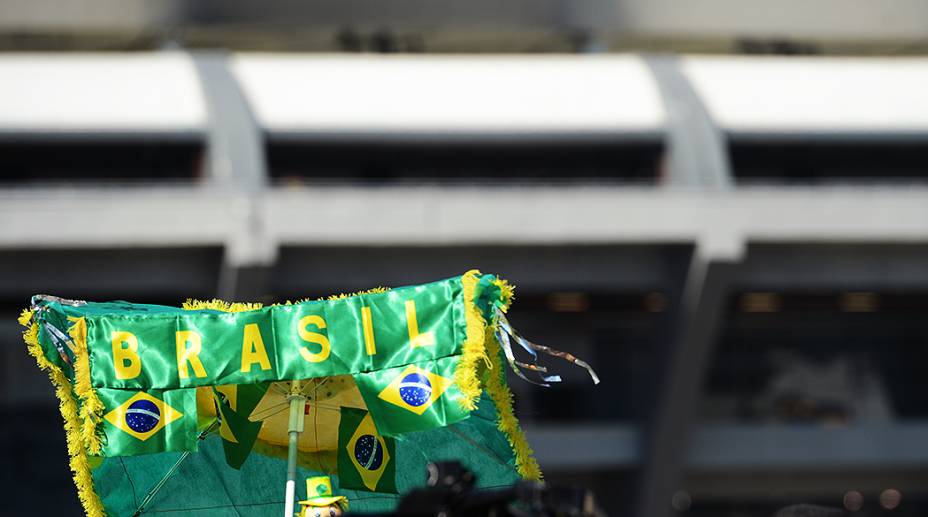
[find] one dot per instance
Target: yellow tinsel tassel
(80, 467)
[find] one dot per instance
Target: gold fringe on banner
(498, 390)
(481, 346)
(507, 293)
(91, 410)
(80, 466)
(375, 290)
(473, 350)
(219, 305)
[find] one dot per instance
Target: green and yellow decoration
(321, 500)
(185, 408)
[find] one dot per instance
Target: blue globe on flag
(142, 416)
(415, 389)
(368, 452)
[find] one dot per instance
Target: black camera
(451, 492)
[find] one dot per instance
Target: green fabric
(136, 346)
(247, 397)
(381, 338)
(56, 348)
(146, 361)
(237, 432)
(488, 296)
(204, 486)
(412, 398)
(366, 460)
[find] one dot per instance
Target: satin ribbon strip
(60, 340)
(503, 338)
(505, 331)
(567, 357)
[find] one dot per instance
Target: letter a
(253, 350)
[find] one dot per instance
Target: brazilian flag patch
(366, 460)
(142, 416)
(415, 389)
(414, 397)
(139, 422)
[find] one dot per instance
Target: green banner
(139, 383)
(151, 347)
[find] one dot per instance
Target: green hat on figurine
(319, 496)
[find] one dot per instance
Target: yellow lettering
(313, 337)
(415, 338)
(253, 350)
(189, 354)
(368, 324)
(126, 359)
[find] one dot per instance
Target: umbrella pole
(295, 427)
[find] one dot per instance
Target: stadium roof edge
(813, 96)
(439, 97)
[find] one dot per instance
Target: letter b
(126, 359)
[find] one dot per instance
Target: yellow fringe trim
(224, 306)
(473, 349)
(91, 410)
(219, 305)
(480, 345)
(507, 292)
(79, 463)
(375, 290)
(526, 464)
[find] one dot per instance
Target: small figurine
(320, 501)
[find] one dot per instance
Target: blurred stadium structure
(738, 243)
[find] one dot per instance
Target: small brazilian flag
(411, 398)
(139, 422)
(233, 406)
(366, 460)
